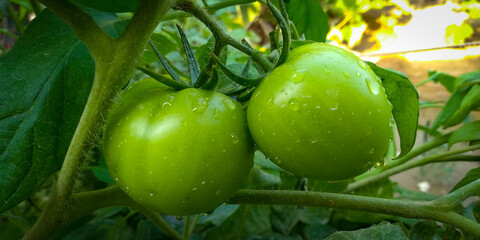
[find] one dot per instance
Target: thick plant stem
(410, 209)
(408, 165)
(115, 61)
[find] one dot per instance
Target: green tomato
(178, 153)
(323, 114)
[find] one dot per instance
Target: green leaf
(309, 18)
(220, 214)
(469, 102)
(468, 79)
(101, 172)
(192, 61)
(250, 220)
(424, 230)
(45, 78)
(284, 218)
(467, 132)
(147, 230)
(381, 231)
(452, 105)
(404, 193)
(260, 178)
(114, 6)
(447, 80)
(471, 176)
(404, 97)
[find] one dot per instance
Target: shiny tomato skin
(179, 153)
(323, 114)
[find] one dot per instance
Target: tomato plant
(321, 102)
(165, 149)
(91, 148)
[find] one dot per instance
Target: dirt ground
(436, 178)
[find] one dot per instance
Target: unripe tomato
(179, 153)
(323, 114)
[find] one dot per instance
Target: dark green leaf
(220, 214)
(109, 22)
(471, 176)
(452, 105)
(472, 212)
(147, 230)
(447, 80)
(319, 231)
(424, 230)
(382, 231)
(250, 220)
(101, 172)
(284, 218)
(260, 178)
(404, 97)
(309, 18)
(204, 52)
(470, 101)
(468, 132)
(45, 78)
(114, 6)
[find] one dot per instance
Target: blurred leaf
(382, 231)
(327, 186)
(319, 231)
(470, 102)
(452, 105)
(471, 176)
(315, 215)
(261, 160)
(308, 13)
(447, 80)
(101, 172)
(147, 230)
(457, 34)
(467, 79)
(284, 218)
(220, 214)
(272, 236)
(109, 22)
(250, 220)
(404, 97)
(424, 230)
(260, 178)
(468, 132)
(204, 52)
(9, 229)
(167, 46)
(404, 193)
(298, 43)
(114, 6)
(46, 78)
(380, 189)
(472, 212)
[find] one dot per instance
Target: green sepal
(212, 82)
(247, 82)
(167, 67)
(285, 27)
(191, 60)
(164, 79)
(245, 95)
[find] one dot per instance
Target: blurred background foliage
(364, 26)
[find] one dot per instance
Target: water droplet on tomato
(333, 108)
(166, 105)
(271, 100)
(347, 76)
(216, 114)
(218, 192)
(314, 141)
(203, 182)
(293, 104)
(358, 74)
(371, 151)
(193, 189)
(362, 64)
(373, 86)
(235, 139)
(392, 122)
(152, 194)
(299, 76)
(116, 179)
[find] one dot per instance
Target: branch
(404, 208)
(408, 165)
